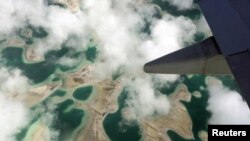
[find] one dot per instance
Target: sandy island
(103, 103)
(177, 120)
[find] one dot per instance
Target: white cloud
(143, 101)
(164, 80)
(14, 115)
(16, 13)
(168, 35)
(59, 22)
(13, 83)
(68, 61)
(47, 118)
(116, 27)
(13, 118)
(226, 106)
(202, 26)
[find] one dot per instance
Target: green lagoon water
(21, 135)
(67, 121)
(91, 53)
(39, 72)
(38, 32)
(117, 132)
(59, 93)
(175, 137)
(197, 107)
(83, 93)
(167, 7)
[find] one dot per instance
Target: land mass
(178, 120)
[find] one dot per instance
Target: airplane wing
(229, 21)
(201, 58)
